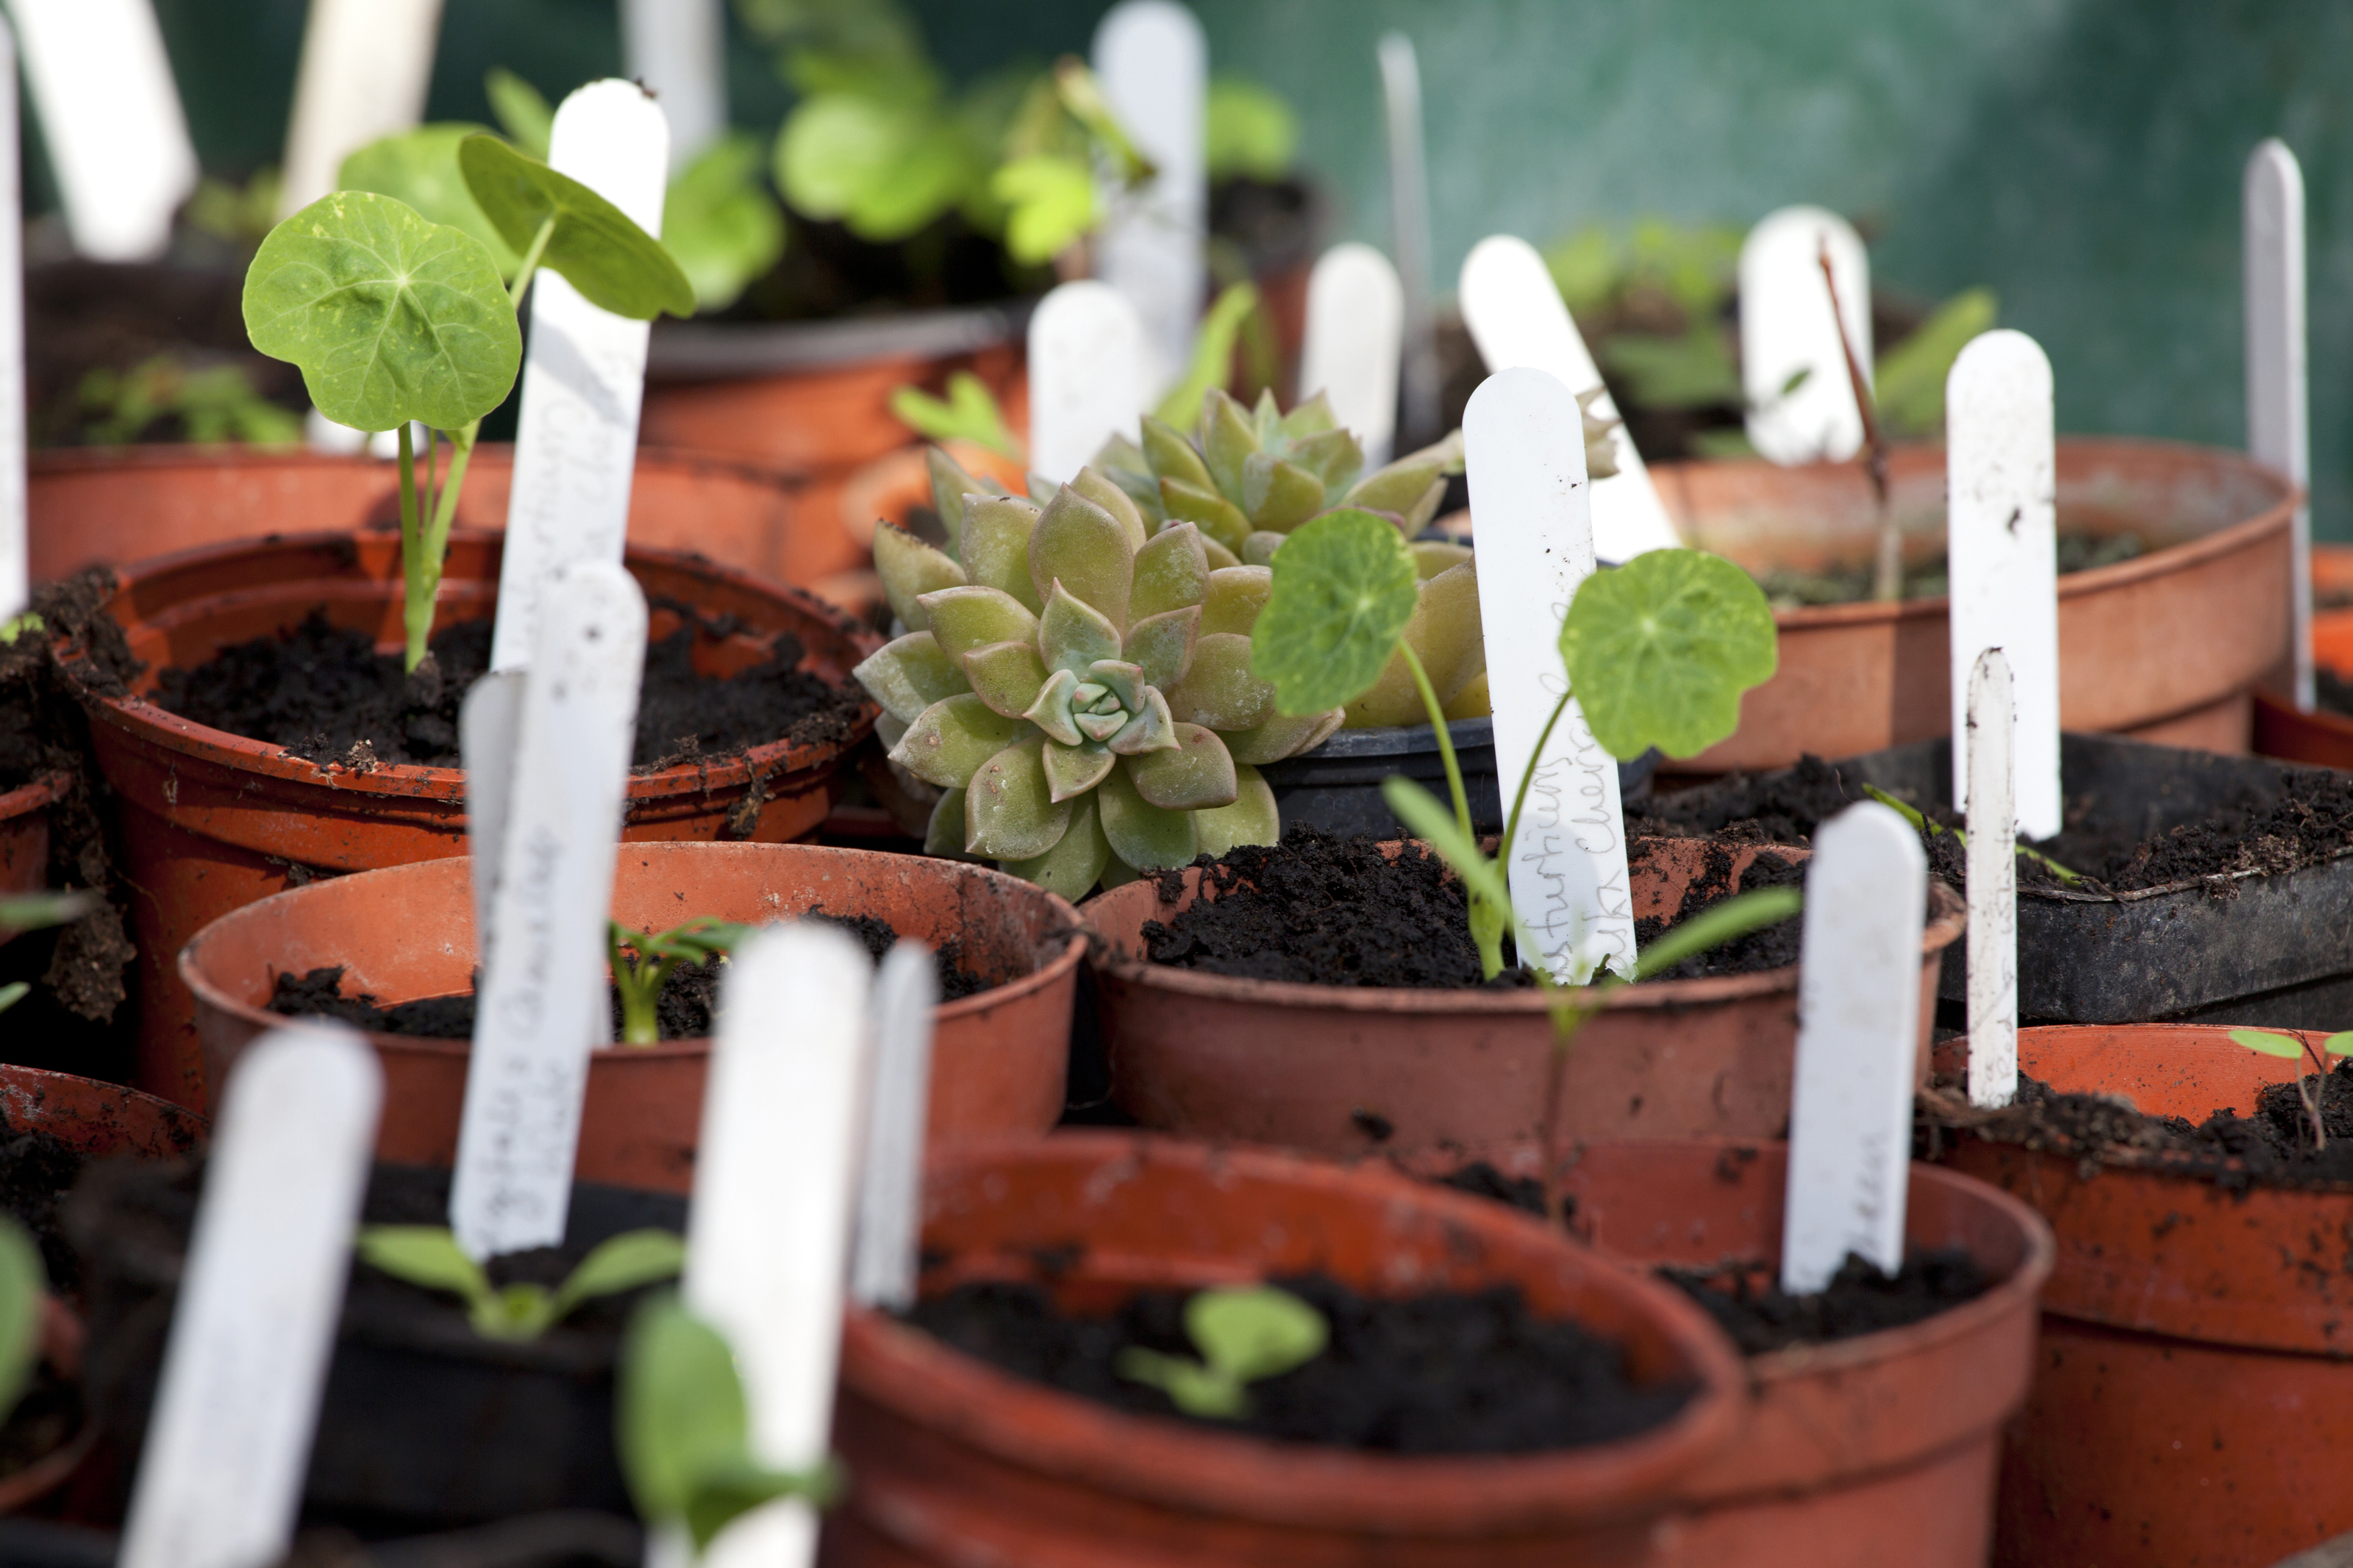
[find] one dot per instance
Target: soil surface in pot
(1439, 1373)
(1745, 1299)
(1931, 578)
(325, 693)
(2312, 821)
(1321, 911)
(37, 1171)
(2269, 1145)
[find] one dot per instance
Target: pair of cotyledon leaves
(394, 317)
(1659, 649)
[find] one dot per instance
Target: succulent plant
(1078, 685)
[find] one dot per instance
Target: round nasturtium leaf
(596, 246)
(1344, 588)
(420, 167)
(391, 317)
(1659, 650)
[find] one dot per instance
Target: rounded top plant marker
(366, 65)
(111, 116)
(1090, 376)
(678, 49)
(1356, 321)
(1793, 369)
(1408, 185)
(1152, 60)
(2279, 415)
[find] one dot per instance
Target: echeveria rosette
(1079, 689)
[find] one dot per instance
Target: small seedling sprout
(639, 980)
(429, 1256)
(2300, 1051)
(1245, 1334)
(23, 1283)
(683, 1429)
(1929, 829)
(34, 912)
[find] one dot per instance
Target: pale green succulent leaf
(1072, 634)
(1098, 489)
(1220, 558)
(1077, 860)
(1220, 691)
(944, 835)
(1343, 590)
(995, 545)
(1195, 773)
(1236, 594)
(1281, 735)
(909, 674)
(1162, 645)
(1009, 810)
(1253, 819)
(1072, 770)
(1335, 457)
(909, 569)
(1172, 571)
(953, 737)
(1149, 727)
(1278, 496)
(950, 484)
(1221, 519)
(1008, 676)
(1079, 545)
(968, 617)
(1143, 835)
(1171, 457)
(1658, 651)
(1431, 557)
(1051, 712)
(1228, 440)
(1119, 679)
(1258, 549)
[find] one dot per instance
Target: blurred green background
(2081, 157)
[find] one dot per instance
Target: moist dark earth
(2312, 821)
(687, 1007)
(1436, 1373)
(1323, 911)
(325, 694)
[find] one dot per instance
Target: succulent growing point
(1078, 686)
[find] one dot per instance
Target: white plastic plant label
(366, 65)
(1858, 1043)
(678, 49)
(1088, 376)
(583, 379)
(775, 1186)
(1517, 319)
(488, 721)
(220, 1479)
(16, 576)
(1789, 335)
(2278, 401)
(898, 1113)
(2002, 541)
(1993, 887)
(1409, 186)
(111, 116)
(1522, 438)
(1153, 64)
(542, 992)
(1356, 322)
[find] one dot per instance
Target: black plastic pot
(424, 1425)
(2269, 949)
(1337, 786)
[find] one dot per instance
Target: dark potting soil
(325, 694)
(687, 1009)
(1323, 911)
(2312, 821)
(1436, 1373)
(37, 1171)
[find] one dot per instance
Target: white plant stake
(585, 379)
(366, 65)
(1787, 329)
(1993, 887)
(16, 579)
(1858, 1039)
(767, 1244)
(1516, 318)
(1090, 376)
(1153, 63)
(1355, 316)
(891, 1187)
(220, 1479)
(2001, 537)
(543, 999)
(2278, 405)
(1410, 230)
(487, 722)
(679, 48)
(111, 114)
(1523, 440)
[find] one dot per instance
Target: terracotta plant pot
(954, 1462)
(999, 1058)
(1857, 1453)
(813, 400)
(1350, 1070)
(2323, 739)
(25, 837)
(1858, 677)
(211, 821)
(2191, 1394)
(94, 1119)
(120, 505)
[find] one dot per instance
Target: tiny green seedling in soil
(1244, 1334)
(429, 1256)
(35, 911)
(1929, 829)
(395, 321)
(640, 979)
(683, 1429)
(23, 1283)
(2290, 1048)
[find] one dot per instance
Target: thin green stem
(1445, 741)
(418, 582)
(522, 283)
(1520, 796)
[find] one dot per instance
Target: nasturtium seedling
(420, 167)
(1659, 650)
(571, 230)
(1245, 1334)
(1344, 588)
(683, 1429)
(429, 1256)
(2289, 1047)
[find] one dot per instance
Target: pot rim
(27, 798)
(168, 457)
(1169, 1462)
(689, 352)
(149, 724)
(2160, 563)
(1071, 933)
(1948, 917)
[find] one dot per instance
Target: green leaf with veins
(420, 167)
(720, 223)
(389, 316)
(1658, 650)
(1344, 587)
(593, 244)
